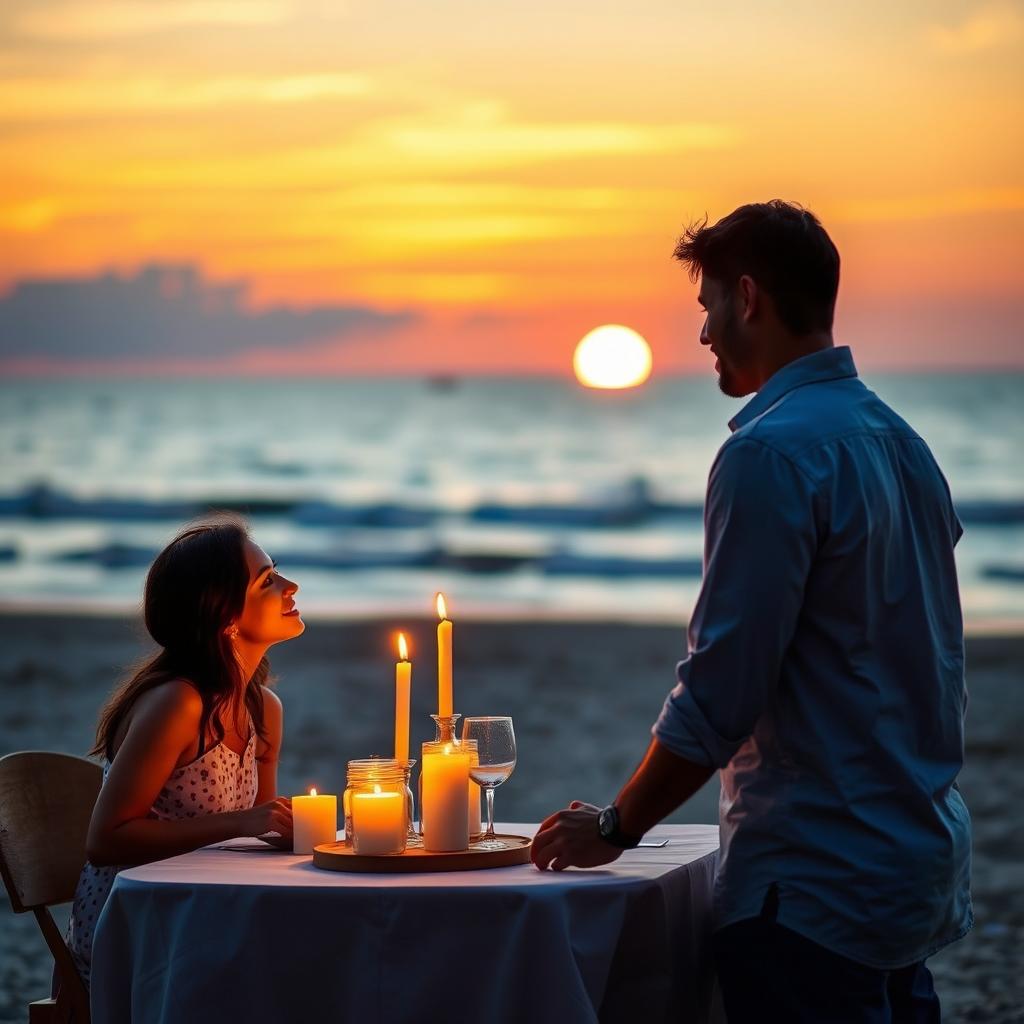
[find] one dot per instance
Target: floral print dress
(218, 780)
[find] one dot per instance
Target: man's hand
(662, 782)
(570, 838)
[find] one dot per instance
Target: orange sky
(509, 176)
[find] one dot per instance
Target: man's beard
(727, 381)
(728, 386)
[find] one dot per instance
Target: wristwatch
(608, 829)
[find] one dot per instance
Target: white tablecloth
(220, 935)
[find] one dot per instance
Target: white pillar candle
(314, 821)
(445, 804)
(378, 822)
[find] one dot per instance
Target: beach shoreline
(583, 695)
(1008, 628)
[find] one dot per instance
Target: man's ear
(750, 298)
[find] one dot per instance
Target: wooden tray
(340, 857)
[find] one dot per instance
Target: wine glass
(496, 760)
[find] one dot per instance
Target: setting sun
(612, 356)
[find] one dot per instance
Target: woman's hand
(273, 816)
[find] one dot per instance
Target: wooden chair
(46, 801)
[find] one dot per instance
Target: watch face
(606, 821)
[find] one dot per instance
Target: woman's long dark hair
(195, 589)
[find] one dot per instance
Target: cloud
(30, 98)
(164, 312)
(121, 18)
(482, 136)
(993, 26)
(929, 206)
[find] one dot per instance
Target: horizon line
(441, 376)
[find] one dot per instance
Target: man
(824, 677)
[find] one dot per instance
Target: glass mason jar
(376, 806)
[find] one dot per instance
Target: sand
(583, 696)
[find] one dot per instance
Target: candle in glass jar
(379, 825)
(444, 660)
(403, 681)
(445, 805)
(314, 821)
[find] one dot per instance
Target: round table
(233, 931)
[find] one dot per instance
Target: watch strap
(614, 835)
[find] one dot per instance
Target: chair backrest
(46, 801)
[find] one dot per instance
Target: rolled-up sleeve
(759, 543)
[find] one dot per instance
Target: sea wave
(990, 513)
(560, 562)
(1004, 573)
(631, 505)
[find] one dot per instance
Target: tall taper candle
(403, 680)
(444, 660)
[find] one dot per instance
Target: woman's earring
(233, 633)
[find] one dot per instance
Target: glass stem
(490, 813)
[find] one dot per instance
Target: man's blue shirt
(825, 674)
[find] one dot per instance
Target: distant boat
(443, 382)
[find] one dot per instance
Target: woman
(191, 741)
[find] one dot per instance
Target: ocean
(519, 498)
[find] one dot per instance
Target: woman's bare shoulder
(171, 709)
(176, 705)
(271, 701)
(176, 697)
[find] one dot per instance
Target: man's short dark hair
(783, 247)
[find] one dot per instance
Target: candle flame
(403, 647)
(376, 788)
(312, 791)
(442, 610)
